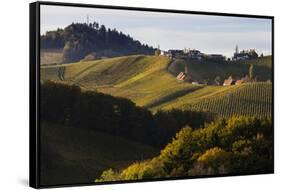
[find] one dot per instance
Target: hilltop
(88, 41)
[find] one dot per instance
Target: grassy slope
(143, 79)
(79, 155)
(246, 99)
(150, 81)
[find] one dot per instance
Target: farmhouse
(240, 81)
(181, 76)
(230, 81)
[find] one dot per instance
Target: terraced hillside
(247, 99)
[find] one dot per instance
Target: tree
(215, 161)
(251, 72)
(157, 52)
(79, 39)
(217, 80)
(236, 145)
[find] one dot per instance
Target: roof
(227, 82)
(181, 76)
(239, 82)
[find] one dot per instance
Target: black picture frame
(34, 90)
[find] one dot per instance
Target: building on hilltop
(238, 81)
(244, 54)
(228, 82)
(181, 76)
(194, 54)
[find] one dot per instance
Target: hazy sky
(209, 34)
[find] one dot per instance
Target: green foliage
(80, 39)
(213, 161)
(108, 175)
(143, 170)
(69, 105)
(239, 145)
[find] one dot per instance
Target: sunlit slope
(143, 79)
(149, 81)
(253, 99)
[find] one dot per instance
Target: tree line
(79, 40)
(69, 105)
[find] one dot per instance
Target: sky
(207, 33)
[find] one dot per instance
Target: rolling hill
(143, 79)
(150, 81)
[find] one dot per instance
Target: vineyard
(250, 99)
(142, 79)
(149, 81)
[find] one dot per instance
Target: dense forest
(69, 106)
(81, 40)
(239, 145)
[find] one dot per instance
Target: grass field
(75, 155)
(150, 81)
